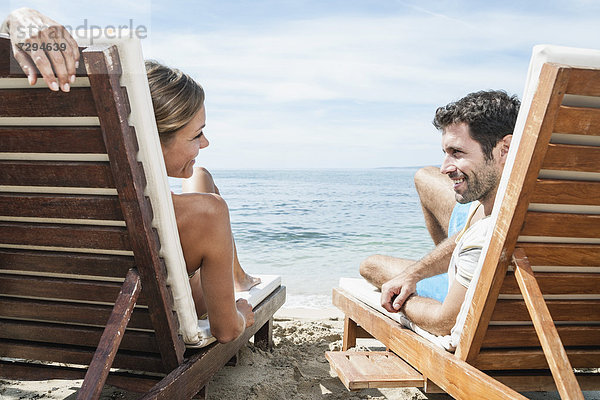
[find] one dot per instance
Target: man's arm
(439, 318)
(437, 261)
(394, 292)
(38, 41)
(433, 316)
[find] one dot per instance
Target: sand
(296, 369)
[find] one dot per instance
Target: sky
(341, 83)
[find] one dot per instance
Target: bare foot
(241, 279)
(246, 310)
(244, 282)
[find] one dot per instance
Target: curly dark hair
(490, 115)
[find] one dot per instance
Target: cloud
(332, 58)
(407, 59)
(344, 84)
(312, 89)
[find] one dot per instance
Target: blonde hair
(176, 98)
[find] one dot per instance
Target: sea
(314, 226)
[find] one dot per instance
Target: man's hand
(38, 41)
(395, 292)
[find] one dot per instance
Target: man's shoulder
(476, 234)
(477, 212)
(469, 250)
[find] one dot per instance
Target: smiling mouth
(457, 182)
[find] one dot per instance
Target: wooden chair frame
(497, 373)
(176, 373)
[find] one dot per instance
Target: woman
(202, 215)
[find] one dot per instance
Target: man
(476, 135)
(444, 218)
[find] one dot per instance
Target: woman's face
(180, 152)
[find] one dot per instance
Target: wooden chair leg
(263, 338)
(234, 360)
(561, 369)
(349, 338)
(202, 394)
(431, 388)
(97, 373)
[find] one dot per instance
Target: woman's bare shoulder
(189, 204)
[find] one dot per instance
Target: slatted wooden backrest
(551, 209)
(74, 220)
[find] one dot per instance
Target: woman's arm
(39, 41)
(207, 243)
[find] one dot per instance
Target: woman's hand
(245, 309)
(38, 41)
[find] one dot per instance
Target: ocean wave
(314, 226)
(313, 301)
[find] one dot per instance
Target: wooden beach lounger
(91, 268)
(532, 313)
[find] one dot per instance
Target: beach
(295, 369)
(311, 228)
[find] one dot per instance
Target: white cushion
(370, 295)
(150, 155)
(195, 333)
(254, 296)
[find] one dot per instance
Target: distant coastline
(404, 168)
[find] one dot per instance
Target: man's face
(474, 177)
